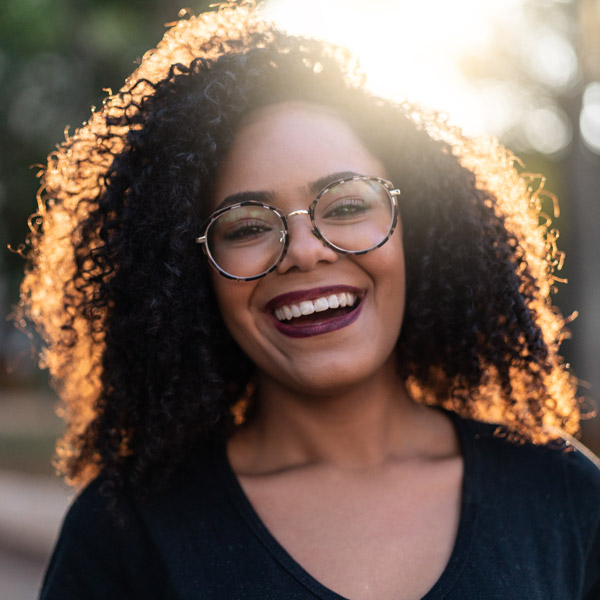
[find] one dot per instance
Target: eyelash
(246, 229)
(358, 205)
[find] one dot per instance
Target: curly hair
(121, 294)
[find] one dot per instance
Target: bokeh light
(552, 60)
(548, 130)
(589, 118)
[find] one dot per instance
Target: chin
(331, 379)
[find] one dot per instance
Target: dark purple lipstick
(318, 322)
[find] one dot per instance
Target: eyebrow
(268, 197)
(316, 186)
(256, 196)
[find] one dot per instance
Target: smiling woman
(304, 341)
(289, 150)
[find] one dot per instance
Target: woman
(279, 311)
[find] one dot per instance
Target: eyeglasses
(249, 239)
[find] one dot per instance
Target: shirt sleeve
(592, 570)
(592, 574)
(583, 479)
(101, 554)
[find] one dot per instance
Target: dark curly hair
(122, 296)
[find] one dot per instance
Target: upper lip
(310, 294)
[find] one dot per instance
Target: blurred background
(526, 71)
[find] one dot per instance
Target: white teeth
(321, 304)
(308, 307)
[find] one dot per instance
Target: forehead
(283, 149)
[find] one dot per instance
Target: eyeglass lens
(246, 241)
(353, 216)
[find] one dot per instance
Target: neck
(362, 426)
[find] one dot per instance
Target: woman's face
(282, 152)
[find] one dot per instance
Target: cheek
(391, 268)
(391, 282)
(233, 299)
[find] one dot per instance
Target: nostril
(305, 251)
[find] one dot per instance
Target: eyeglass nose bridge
(302, 211)
(315, 231)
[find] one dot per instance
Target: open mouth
(329, 310)
(319, 309)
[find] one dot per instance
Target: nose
(305, 250)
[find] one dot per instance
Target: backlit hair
(121, 293)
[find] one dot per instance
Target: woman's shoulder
(538, 504)
(104, 502)
(96, 514)
(100, 547)
(493, 442)
(107, 536)
(563, 470)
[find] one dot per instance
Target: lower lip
(333, 324)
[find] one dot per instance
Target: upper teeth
(308, 307)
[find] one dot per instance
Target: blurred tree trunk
(584, 190)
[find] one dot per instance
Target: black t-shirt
(529, 530)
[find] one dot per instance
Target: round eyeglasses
(249, 239)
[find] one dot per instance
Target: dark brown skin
(357, 482)
(370, 509)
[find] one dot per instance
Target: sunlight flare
(409, 50)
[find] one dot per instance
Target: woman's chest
(366, 538)
(376, 536)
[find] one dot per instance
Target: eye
(245, 230)
(347, 207)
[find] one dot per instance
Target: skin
(263, 158)
(359, 484)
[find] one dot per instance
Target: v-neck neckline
(462, 543)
